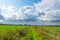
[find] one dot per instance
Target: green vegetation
(19, 32)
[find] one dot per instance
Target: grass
(19, 32)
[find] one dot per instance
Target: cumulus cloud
(51, 8)
(27, 11)
(46, 10)
(11, 12)
(8, 12)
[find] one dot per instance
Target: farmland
(21, 32)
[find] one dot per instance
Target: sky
(40, 12)
(18, 3)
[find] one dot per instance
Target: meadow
(23, 32)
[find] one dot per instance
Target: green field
(19, 32)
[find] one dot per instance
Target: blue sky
(18, 3)
(44, 12)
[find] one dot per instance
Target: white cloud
(1, 21)
(50, 8)
(26, 11)
(8, 12)
(19, 16)
(44, 5)
(11, 8)
(3, 7)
